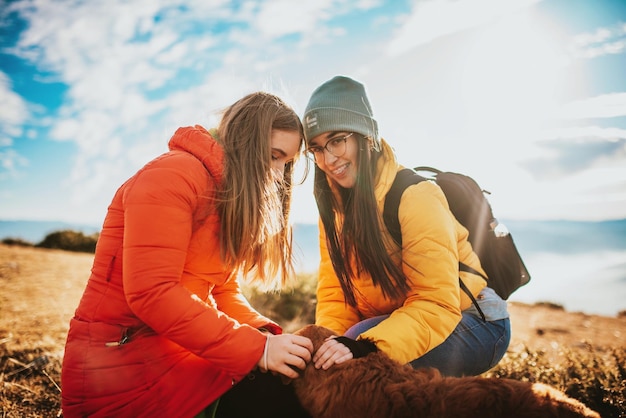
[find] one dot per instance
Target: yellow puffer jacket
(433, 244)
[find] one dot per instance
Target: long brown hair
(351, 220)
(254, 207)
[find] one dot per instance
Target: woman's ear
(374, 144)
(369, 143)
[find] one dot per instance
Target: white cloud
(14, 109)
(277, 18)
(283, 17)
(584, 132)
(603, 106)
(431, 19)
(603, 41)
(10, 163)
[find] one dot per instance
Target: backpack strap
(405, 178)
(468, 269)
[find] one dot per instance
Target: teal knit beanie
(340, 104)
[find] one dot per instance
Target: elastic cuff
(359, 348)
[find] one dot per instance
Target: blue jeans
(474, 346)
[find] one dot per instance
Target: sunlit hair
(352, 224)
(254, 206)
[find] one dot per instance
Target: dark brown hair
(352, 223)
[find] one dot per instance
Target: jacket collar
(386, 168)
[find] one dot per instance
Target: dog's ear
(316, 334)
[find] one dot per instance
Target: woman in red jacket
(162, 328)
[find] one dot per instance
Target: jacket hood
(199, 142)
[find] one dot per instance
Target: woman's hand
(331, 352)
(336, 350)
(285, 352)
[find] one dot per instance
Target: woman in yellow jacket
(406, 302)
(162, 329)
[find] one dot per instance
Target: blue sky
(526, 96)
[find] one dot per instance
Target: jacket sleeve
(158, 210)
(430, 261)
(331, 311)
(232, 302)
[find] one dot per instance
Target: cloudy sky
(526, 96)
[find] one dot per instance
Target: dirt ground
(39, 291)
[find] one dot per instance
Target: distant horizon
(580, 265)
(98, 226)
(529, 219)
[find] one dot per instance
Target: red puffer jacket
(162, 328)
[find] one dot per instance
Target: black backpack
(490, 240)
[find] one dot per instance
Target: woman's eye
(335, 141)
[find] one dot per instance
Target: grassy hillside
(583, 355)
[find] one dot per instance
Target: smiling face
(285, 145)
(341, 169)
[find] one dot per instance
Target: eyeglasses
(335, 146)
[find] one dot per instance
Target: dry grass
(39, 290)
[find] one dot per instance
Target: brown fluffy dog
(376, 386)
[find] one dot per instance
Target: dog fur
(377, 386)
